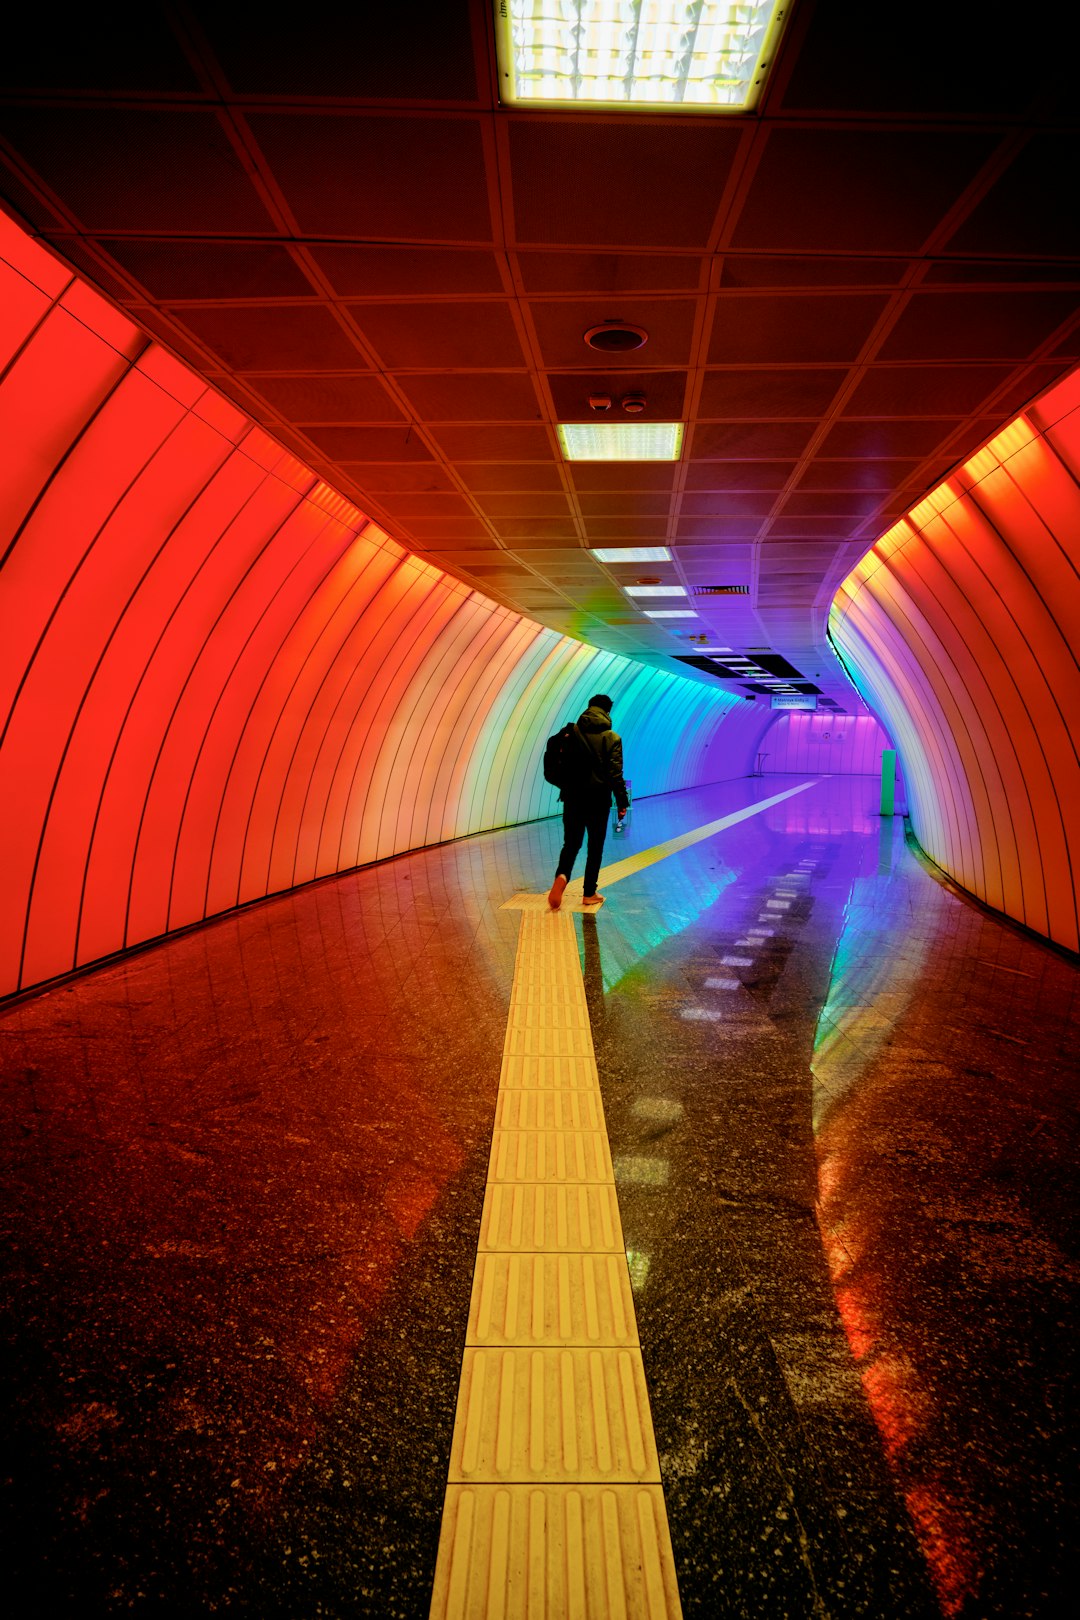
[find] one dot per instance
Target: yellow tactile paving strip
(554, 1508)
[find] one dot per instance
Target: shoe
(555, 893)
(592, 899)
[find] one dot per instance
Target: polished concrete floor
(243, 1182)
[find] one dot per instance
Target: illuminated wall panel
(816, 742)
(961, 626)
(218, 679)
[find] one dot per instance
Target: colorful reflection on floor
(943, 1118)
(243, 1183)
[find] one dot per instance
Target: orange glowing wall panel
(962, 627)
(219, 680)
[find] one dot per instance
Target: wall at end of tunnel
(817, 741)
(218, 680)
(961, 627)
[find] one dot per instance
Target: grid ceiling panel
(845, 293)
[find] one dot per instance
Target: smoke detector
(634, 404)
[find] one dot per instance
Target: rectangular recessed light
(631, 554)
(621, 441)
(691, 55)
(669, 613)
(655, 590)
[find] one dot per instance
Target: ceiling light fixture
(655, 590)
(631, 554)
(699, 55)
(621, 441)
(669, 613)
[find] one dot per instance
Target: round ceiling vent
(616, 337)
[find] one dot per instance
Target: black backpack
(568, 759)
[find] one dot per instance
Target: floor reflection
(943, 1120)
(244, 1176)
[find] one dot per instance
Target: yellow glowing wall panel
(962, 626)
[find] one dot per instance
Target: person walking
(587, 801)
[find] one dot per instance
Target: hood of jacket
(594, 720)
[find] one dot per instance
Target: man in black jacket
(586, 803)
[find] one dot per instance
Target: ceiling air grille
(720, 590)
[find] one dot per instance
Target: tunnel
(390, 1231)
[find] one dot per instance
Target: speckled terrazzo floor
(243, 1182)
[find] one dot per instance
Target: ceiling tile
(610, 273)
(356, 270)
(396, 178)
(137, 169)
(977, 325)
(319, 397)
(364, 53)
(480, 396)
(734, 440)
(879, 440)
(1024, 207)
(856, 475)
(499, 504)
(516, 477)
(726, 503)
(494, 442)
(622, 475)
(625, 181)
(476, 335)
(379, 444)
(771, 328)
(778, 271)
(932, 391)
(616, 503)
(267, 337)
(720, 475)
(882, 192)
(211, 270)
(768, 393)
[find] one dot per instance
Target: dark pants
(584, 813)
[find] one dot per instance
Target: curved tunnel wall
(218, 680)
(961, 627)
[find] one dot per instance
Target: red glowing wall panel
(217, 679)
(962, 626)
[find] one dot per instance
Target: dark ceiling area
(332, 218)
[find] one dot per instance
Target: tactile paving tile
(528, 1415)
(520, 1110)
(551, 1299)
(552, 1390)
(548, 1012)
(547, 1040)
(557, 1552)
(551, 1220)
(569, 1156)
(575, 1072)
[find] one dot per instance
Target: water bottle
(619, 823)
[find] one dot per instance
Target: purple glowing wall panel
(961, 626)
(815, 743)
(218, 679)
